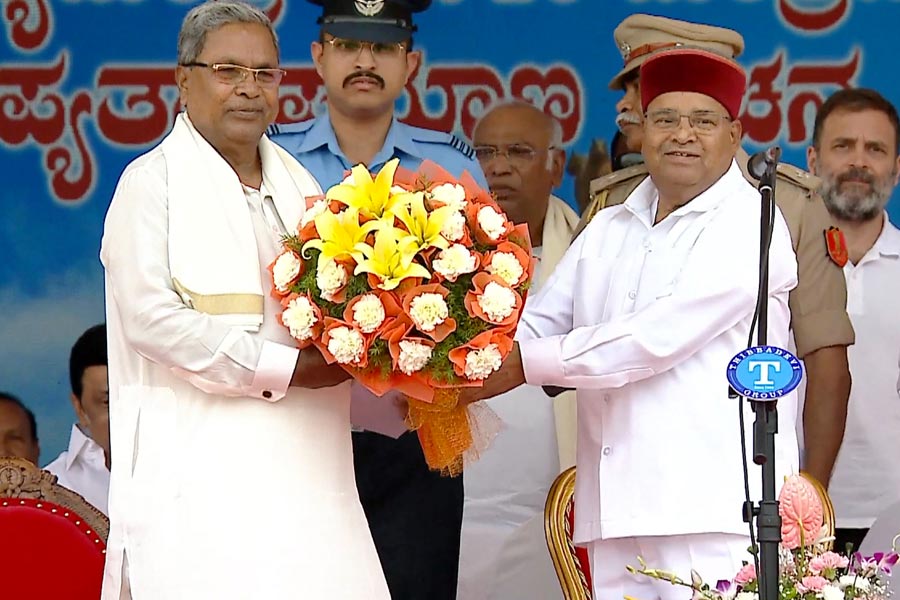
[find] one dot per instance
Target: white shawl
(213, 255)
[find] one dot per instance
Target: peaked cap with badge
(639, 36)
(384, 21)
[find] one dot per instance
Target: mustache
(856, 174)
(627, 118)
(367, 74)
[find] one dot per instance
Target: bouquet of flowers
(412, 282)
(808, 568)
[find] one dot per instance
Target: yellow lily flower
(340, 235)
(391, 258)
(372, 198)
(425, 227)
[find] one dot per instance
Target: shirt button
(647, 245)
(632, 294)
(607, 450)
(267, 394)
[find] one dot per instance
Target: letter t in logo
(764, 370)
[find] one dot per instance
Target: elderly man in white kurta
(642, 316)
(232, 473)
(502, 549)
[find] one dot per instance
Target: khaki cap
(639, 36)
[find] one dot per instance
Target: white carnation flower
(507, 267)
(481, 363)
(454, 261)
(368, 313)
(348, 180)
(830, 592)
(413, 356)
(491, 222)
(860, 583)
(428, 311)
(396, 189)
(285, 271)
(318, 207)
(450, 194)
(497, 301)
(454, 227)
(331, 276)
(346, 345)
(299, 317)
(747, 596)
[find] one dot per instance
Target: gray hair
(556, 132)
(210, 16)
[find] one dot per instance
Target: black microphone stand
(768, 520)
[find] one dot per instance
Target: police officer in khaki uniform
(819, 319)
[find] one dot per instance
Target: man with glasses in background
(234, 476)
(503, 553)
(365, 57)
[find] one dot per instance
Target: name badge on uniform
(764, 373)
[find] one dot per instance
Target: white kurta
(503, 552)
(82, 469)
(643, 319)
(866, 478)
(226, 483)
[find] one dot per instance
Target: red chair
(572, 564)
(54, 542)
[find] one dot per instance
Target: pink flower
(814, 583)
(829, 561)
(746, 574)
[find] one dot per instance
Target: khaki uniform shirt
(819, 302)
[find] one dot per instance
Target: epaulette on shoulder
(798, 177)
(432, 136)
(617, 177)
(285, 128)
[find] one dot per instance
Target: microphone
(760, 162)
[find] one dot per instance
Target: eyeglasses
(701, 120)
(237, 74)
(353, 48)
(516, 154)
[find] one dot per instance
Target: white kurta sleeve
(716, 290)
(211, 354)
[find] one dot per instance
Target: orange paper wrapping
(443, 429)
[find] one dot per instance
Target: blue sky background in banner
(99, 64)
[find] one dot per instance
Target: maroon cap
(693, 70)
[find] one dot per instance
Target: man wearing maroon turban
(642, 316)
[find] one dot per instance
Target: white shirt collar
(643, 200)
(888, 242)
(81, 445)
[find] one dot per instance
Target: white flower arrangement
(481, 363)
(507, 267)
(454, 261)
(300, 318)
(450, 194)
(413, 356)
(428, 310)
(491, 222)
(346, 345)
(286, 270)
(368, 313)
(331, 276)
(454, 227)
(497, 301)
